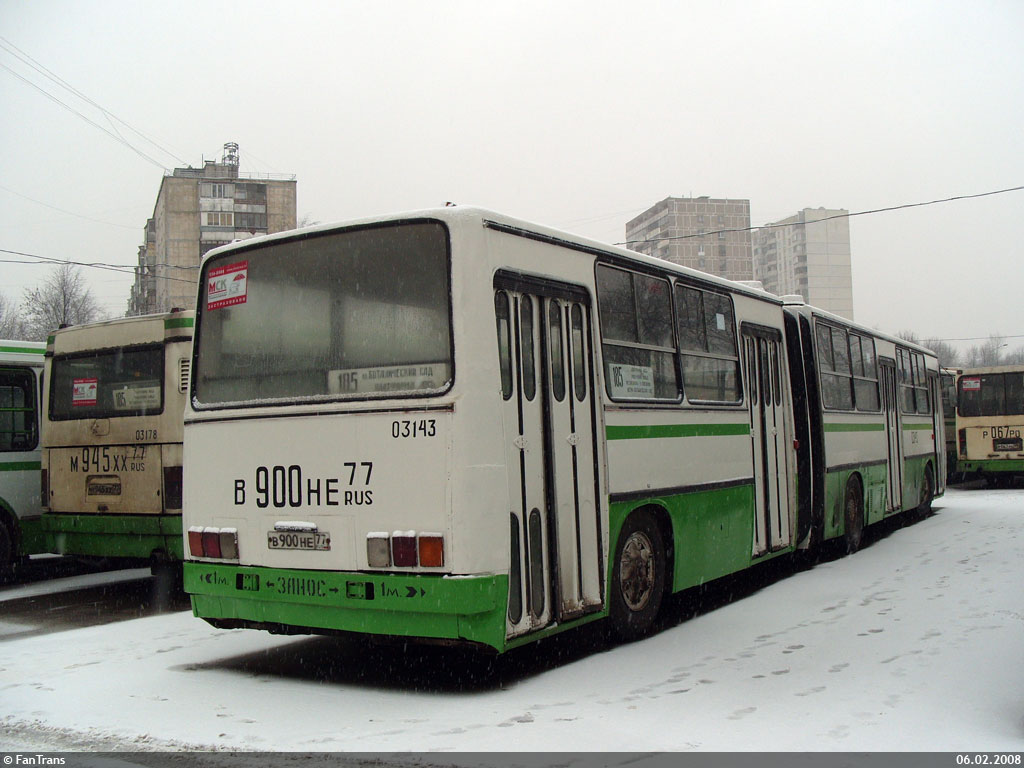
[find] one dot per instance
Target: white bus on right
(870, 409)
(990, 423)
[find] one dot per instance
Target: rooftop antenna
(231, 154)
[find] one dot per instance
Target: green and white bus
(990, 422)
(456, 425)
(873, 426)
(21, 375)
(115, 394)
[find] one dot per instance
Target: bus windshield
(992, 394)
(108, 383)
(357, 313)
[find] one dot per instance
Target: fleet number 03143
(414, 428)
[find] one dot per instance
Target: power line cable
(69, 213)
(985, 338)
(91, 122)
(123, 269)
(13, 50)
(828, 218)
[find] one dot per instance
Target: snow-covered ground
(914, 643)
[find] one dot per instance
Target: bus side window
(17, 411)
(579, 370)
(555, 344)
(501, 313)
(526, 345)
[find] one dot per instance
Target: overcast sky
(577, 115)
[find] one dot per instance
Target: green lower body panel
(993, 466)
(712, 531)
(469, 608)
(135, 536)
(33, 539)
(874, 480)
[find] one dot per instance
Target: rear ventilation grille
(183, 371)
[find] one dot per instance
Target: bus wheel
(638, 580)
(6, 553)
(853, 516)
(927, 493)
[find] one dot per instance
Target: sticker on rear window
(226, 286)
(84, 391)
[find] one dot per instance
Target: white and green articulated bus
(112, 472)
(456, 425)
(871, 429)
(21, 375)
(990, 423)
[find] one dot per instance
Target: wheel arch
(663, 519)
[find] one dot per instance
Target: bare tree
(949, 356)
(988, 353)
(11, 325)
(64, 298)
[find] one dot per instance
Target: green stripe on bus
(179, 322)
(926, 426)
(20, 466)
(839, 427)
(24, 350)
(676, 430)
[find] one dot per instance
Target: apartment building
(198, 209)
(709, 234)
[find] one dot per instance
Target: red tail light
(221, 543)
(195, 542)
(211, 543)
(403, 549)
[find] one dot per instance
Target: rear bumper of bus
(120, 535)
(464, 608)
(990, 466)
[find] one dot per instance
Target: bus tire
(927, 494)
(638, 578)
(6, 552)
(853, 516)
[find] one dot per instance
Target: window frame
(30, 409)
(603, 313)
(706, 338)
(857, 368)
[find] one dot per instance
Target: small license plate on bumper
(1007, 444)
(308, 540)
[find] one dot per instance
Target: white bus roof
(467, 214)
(116, 332)
(17, 351)
(792, 303)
